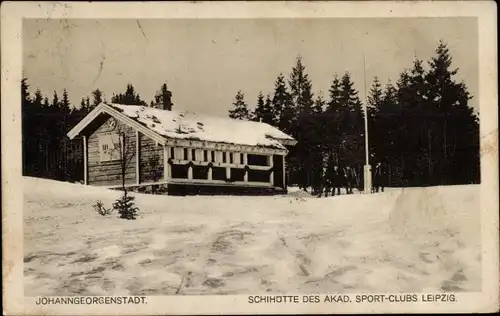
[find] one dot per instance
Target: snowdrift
(429, 210)
(418, 239)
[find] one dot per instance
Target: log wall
(109, 172)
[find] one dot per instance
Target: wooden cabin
(180, 152)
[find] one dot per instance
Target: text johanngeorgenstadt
(91, 300)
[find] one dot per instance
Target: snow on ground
(398, 241)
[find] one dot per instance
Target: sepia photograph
(340, 158)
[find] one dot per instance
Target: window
(258, 160)
(109, 147)
(205, 155)
(193, 155)
(237, 158)
(224, 157)
(172, 152)
(231, 158)
(185, 154)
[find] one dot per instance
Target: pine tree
(38, 98)
(305, 127)
(240, 111)
(455, 126)
(282, 107)
(65, 104)
(386, 120)
(258, 113)
(97, 98)
(352, 124)
(83, 106)
(375, 129)
(331, 120)
(163, 98)
(300, 88)
(27, 136)
(415, 159)
(268, 110)
(374, 98)
(264, 110)
(45, 103)
(25, 96)
(55, 101)
(130, 97)
(125, 206)
(319, 104)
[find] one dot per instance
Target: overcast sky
(205, 62)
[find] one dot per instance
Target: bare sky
(206, 61)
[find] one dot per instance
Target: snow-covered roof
(190, 125)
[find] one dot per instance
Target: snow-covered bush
(126, 207)
(100, 209)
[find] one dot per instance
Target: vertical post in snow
(367, 168)
(85, 177)
(166, 156)
(271, 174)
(284, 173)
(137, 160)
(228, 169)
(245, 163)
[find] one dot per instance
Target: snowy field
(399, 241)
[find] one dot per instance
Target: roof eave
(105, 108)
(288, 142)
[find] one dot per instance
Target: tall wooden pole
(367, 169)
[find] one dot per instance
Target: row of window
(109, 150)
(219, 173)
(211, 156)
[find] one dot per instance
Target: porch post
(137, 158)
(209, 176)
(190, 173)
(85, 173)
(271, 175)
(245, 163)
(228, 169)
(284, 174)
(166, 165)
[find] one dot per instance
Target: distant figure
(349, 179)
(331, 181)
(379, 177)
(326, 187)
(338, 180)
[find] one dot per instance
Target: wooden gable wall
(109, 172)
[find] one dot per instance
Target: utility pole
(367, 168)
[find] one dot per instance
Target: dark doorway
(278, 171)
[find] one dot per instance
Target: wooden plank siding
(151, 160)
(109, 172)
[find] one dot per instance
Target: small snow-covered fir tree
(126, 207)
